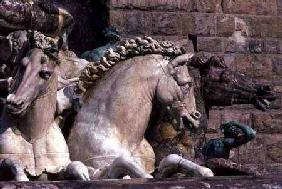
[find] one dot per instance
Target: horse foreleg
(12, 170)
(74, 171)
(175, 164)
(125, 166)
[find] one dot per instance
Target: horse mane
(124, 50)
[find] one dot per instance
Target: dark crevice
(91, 18)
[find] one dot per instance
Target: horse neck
(40, 115)
(132, 84)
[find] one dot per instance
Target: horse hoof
(76, 171)
(21, 178)
(206, 172)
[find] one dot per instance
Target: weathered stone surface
(273, 46)
(239, 116)
(249, 26)
(277, 65)
(279, 7)
(210, 44)
(209, 6)
(262, 67)
(236, 46)
(153, 4)
(187, 23)
(165, 23)
(137, 22)
(205, 24)
(117, 20)
(215, 117)
(259, 7)
(225, 25)
(251, 153)
(267, 122)
(244, 63)
(271, 27)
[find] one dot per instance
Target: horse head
(32, 80)
(223, 87)
(175, 91)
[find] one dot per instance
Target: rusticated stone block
(208, 6)
(267, 123)
(137, 23)
(153, 4)
(187, 24)
(260, 7)
(249, 26)
(165, 23)
(244, 45)
(279, 7)
(274, 149)
(210, 44)
(239, 116)
(262, 67)
(273, 46)
(271, 27)
(205, 24)
(244, 64)
(277, 65)
(117, 20)
(251, 153)
(225, 25)
(233, 45)
(214, 121)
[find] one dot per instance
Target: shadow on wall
(91, 18)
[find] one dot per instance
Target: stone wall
(248, 33)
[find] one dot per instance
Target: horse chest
(46, 153)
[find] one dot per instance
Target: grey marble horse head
(31, 81)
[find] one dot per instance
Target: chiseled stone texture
(260, 7)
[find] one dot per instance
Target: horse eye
(45, 74)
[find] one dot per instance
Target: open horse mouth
(190, 121)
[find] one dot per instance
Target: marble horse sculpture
(109, 128)
(31, 143)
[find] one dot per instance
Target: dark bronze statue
(216, 152)
(112, 36)
(220, 147)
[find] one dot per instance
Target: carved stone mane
(124, 50)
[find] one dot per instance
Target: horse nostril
(196, 115)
